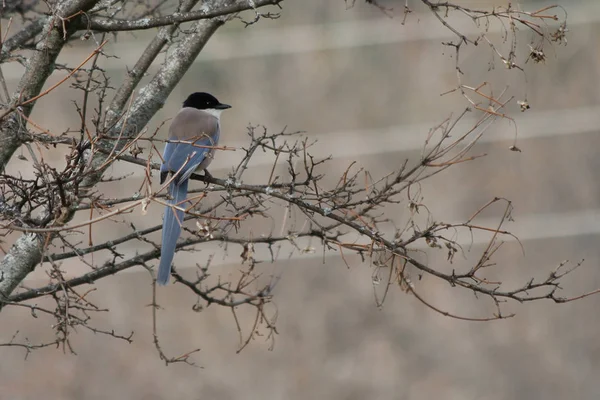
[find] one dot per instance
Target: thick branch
(27, 251)
(20, 38)
(152, 97)
(140, 68)
(39, 68)
(111, 268)
(107, 25)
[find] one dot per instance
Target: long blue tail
(171, 230)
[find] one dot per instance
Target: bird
(197, 124)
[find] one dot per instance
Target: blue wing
(185, 158)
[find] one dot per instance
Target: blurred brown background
(369, 89)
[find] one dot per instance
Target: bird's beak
(222, 106)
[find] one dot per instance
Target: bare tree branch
(28, 249)
(109, 25)
(308, 209)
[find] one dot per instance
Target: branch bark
(39, 68)
(27, 252)
(140, 68)
(23, 36)
(109, 25)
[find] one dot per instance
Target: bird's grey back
(191, 124)
(194, 125)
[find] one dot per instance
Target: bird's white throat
(214, 112)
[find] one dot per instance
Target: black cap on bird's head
(204, 101)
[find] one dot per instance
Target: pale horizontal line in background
(541, 226)
(292, 40)
(403, 138)
(256, 42)
(349, 34)
(407, 138)
(357, 33)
